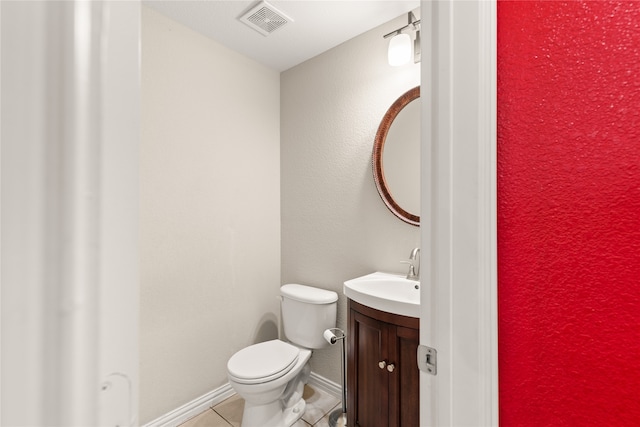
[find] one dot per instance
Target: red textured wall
(569, 213)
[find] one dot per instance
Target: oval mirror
(396, 157)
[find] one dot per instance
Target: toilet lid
(263, 361)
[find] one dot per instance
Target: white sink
(392, 293)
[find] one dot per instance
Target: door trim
(459, 292)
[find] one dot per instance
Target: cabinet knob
(382, 364)
(391, 367)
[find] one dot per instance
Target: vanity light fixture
(399, 52)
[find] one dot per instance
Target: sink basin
(392, 293)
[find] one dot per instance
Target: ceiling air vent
(265, 19)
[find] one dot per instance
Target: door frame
(458, 237)
(69, 212)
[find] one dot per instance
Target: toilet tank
(306, 313)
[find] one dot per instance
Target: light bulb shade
(399, 49)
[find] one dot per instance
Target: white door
(459, 292)
(69, 212)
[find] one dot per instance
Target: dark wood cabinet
(382, 372)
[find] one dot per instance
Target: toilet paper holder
(338, 418)
(331, 337)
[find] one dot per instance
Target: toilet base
(294, 413)
(272, 415)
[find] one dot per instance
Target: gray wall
(334, 225)
(209, 211)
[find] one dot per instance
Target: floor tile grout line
(221, 416)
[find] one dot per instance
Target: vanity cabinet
(382, 371)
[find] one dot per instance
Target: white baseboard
(206, 401)
(193, 408)
(321, 383)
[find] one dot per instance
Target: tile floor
(229, 412)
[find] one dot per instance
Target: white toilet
(270, 375)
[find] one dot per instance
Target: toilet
(271, 375)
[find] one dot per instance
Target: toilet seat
(262, 362)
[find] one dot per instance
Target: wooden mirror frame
(378, 148)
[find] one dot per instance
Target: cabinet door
(404, 381)
(368, 382)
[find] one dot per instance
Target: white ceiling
(318, 25)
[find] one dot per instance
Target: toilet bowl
(263, 385)
(271, 375)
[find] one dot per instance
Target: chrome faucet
(414, 268)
